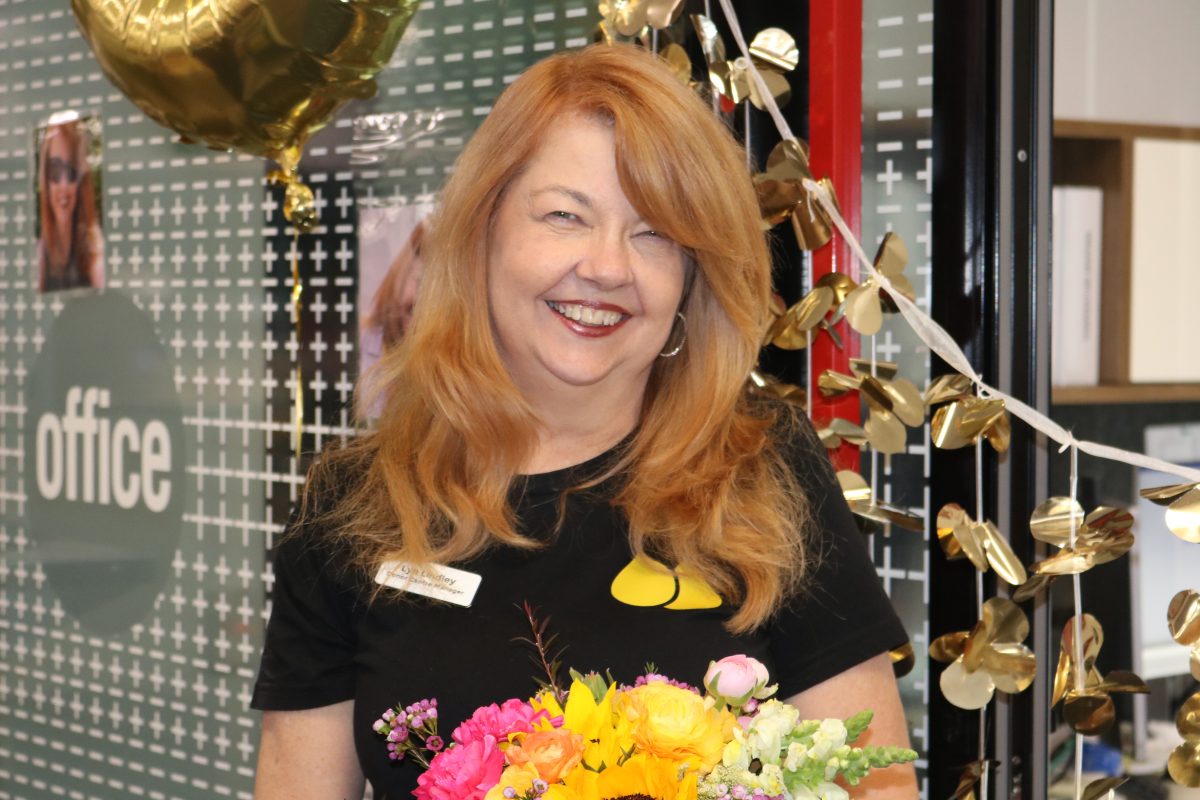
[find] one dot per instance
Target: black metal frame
(991, 201)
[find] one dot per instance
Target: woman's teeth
(586, 314)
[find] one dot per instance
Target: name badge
(430, 580)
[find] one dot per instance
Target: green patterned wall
(150, 699)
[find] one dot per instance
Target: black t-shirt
(325, 643)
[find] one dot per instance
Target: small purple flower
(434, 743)
(509, 792)
(540, 787)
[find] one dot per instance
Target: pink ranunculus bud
(737, 679)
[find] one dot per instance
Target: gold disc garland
(773, 51)
(632, 17)
(893, 402)
(978, 541)
(865, 305)
(1087, 704)
(1102, 536)
(988, 658)
(860, 498)
(1183, 620)
(992, 655)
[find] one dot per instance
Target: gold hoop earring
(675, 350)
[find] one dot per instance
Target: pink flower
(514, 716)
(462, 772)
(737, 679)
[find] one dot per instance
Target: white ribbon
(928, 331)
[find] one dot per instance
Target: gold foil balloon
(257, 76)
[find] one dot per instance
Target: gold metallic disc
(1030, 588)
(886, 433)
(1165, 495)
(863, 310)
(948, 387)
(1184, 765)
(1001, 556)
(1011, 665)
(1089, 714)
(892, 255)
(678, 62)
(948, 647)
(1183, 617)
(1183, 517)
(885, 371)
(811, 225)
(970, 539)
(906, 402)
(1063, 678)
(1187, 720)
(950, 517)
(854, 487)
(1051, 521)
(776, 47)
(1005, 621)
(944, 429)
(841, 284)
(968, 690)
(903, 659)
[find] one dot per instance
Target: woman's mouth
(589, 319)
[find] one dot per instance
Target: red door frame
(835, 139)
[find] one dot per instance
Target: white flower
(831, 791)
(770, 780)
(797, 754)
(828, 738)
(773, 721)
(735, 755)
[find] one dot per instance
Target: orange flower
(553, 752)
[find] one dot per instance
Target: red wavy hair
(703, 484)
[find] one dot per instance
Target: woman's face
(62, 180)
(582, 292)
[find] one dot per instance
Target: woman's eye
(656, 237)
(563, 216)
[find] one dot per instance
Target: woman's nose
(608, 262)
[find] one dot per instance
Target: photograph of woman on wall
(70, 243)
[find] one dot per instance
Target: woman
(572, 394)
(69, 248)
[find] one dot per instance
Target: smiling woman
(567, 424)
(69, 249)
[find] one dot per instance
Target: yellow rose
(675, 723)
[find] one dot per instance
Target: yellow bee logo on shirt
(647, 583)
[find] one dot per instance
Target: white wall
(1127, 61)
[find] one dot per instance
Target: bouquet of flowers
(657, 739)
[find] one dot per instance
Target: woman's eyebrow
(574, 194)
